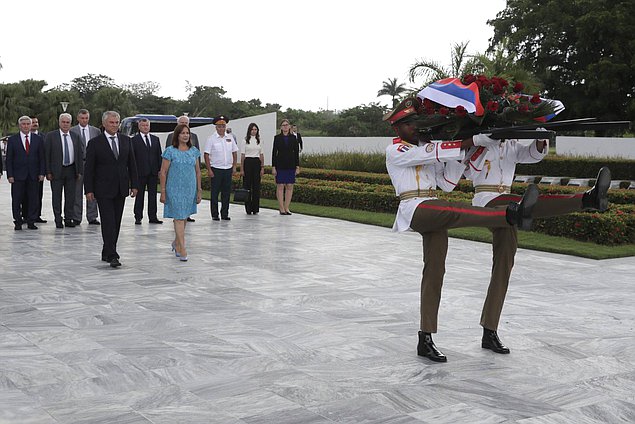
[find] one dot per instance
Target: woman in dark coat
(285, 161)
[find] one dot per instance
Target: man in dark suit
(85, 132)
(35, 129)
(147, 152)
(294, 130)
(25, 169)
(64, 165)
(185, 120)
(110, 174)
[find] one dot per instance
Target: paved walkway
(296, 319)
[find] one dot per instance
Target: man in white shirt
(221, 153)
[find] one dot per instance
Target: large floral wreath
(475, 103)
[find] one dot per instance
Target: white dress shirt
(220, 150)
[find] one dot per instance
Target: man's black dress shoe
(226, 218)
(94, 222)
(31, 226)
(40, 220)
(59, 225)
(492, 342)
(17, 226)
(156, 221)
(137, 222)
(427, 348)
(76, 222)
(215, 218)
(597, 197)
(70, 223)
(115, 263)
(519, 214)
(190, 219)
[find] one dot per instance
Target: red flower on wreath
(497, 89)
(523, 108)
(492, 106)
(460, 111)
(469, 79)
(444, 111)
(518, 87)
(535, 99)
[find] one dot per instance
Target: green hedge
(556, 166)
(578, 167)
(348, 190)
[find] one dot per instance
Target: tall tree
(393, 89)
(90, 84)
(460, 64)
(582, 50)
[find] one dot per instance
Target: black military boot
(597, 197)
(427, 348)
(492, 342)
(519, 214)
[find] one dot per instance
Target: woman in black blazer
(285, 161)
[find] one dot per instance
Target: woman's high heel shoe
(174, 250)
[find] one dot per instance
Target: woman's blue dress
(180, 190)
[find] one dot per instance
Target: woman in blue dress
(180, 185)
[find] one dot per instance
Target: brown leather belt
(502, 189)
(411, 194)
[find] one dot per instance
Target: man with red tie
(25, 170)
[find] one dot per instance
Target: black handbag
(241, 194)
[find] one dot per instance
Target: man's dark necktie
(67, 158)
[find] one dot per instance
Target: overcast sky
(301, 54)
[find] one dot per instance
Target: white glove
(542, 139)
(485, 141)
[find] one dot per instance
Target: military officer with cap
(491, 170)
(220, 158)
(416, 168)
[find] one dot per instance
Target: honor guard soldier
(491, 170)
(417, 168)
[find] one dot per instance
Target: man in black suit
(110, 174)
(64, 166)
(35, 129)
(25, 169)
(294, 130)
(147, 152)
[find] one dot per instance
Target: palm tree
(461, 64)
(392, 89)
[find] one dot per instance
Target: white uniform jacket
(423, 167)
(495, 166)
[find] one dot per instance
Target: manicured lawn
(526, 240)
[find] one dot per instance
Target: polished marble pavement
(298, 319)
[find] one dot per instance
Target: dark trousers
(251, 182)
(149, 183)
(24, 193)
(67, 181)
(221, 183)
(505, 244)
(25, 202)
(432, 219)
(111, 211)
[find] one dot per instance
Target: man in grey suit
(64, 165)
(193, 138)
(85, 132)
